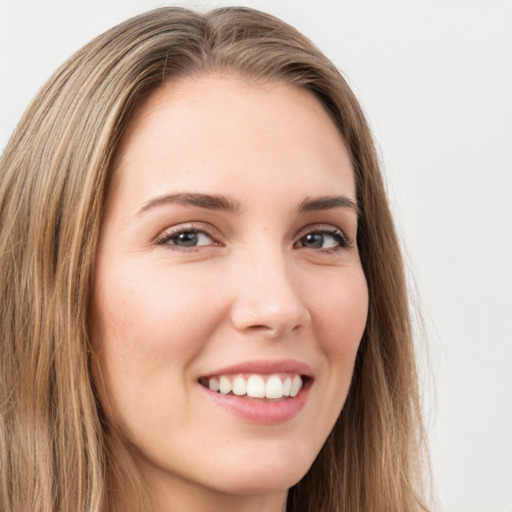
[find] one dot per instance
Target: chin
(253, 476)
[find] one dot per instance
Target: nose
(268, 297)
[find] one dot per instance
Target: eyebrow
(327, 203)
(207, 201)
(223, 203)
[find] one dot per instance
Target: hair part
(56, 447)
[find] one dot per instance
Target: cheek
(146, 312)
(340, 315)
(147, 326)
(339, 311)
(339, 321)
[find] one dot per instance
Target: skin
(252, 289)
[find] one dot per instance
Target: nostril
(260, 327)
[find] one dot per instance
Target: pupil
(314, 241)
(188, 239)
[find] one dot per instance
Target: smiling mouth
(277, 386)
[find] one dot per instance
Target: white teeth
(224, 385)
(239, 386)
(256, 387)
(296, 385)
(213, 384)
(275, 386)
(287, 385)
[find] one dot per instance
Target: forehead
(216, 132)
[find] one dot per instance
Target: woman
(175, 157)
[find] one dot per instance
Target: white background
(435, 78)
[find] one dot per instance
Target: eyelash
(343, 242)
(168, 235)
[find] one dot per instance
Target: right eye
(186, 238)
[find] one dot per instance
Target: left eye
(322, 240)
(188, 238)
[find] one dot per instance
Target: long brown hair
(54, 173)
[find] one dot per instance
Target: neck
(195, 501)
(183, 496)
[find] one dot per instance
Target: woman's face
(228, 257)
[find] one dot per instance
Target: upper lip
(265, 367)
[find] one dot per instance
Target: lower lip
(265, 412)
